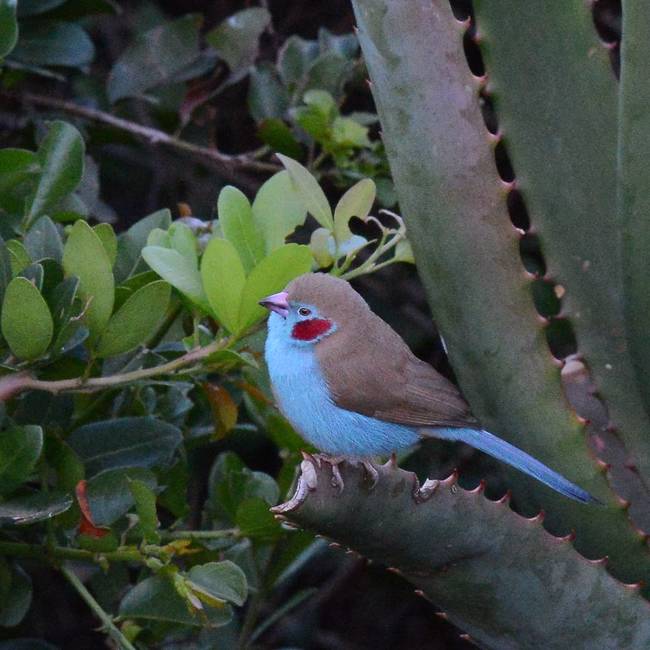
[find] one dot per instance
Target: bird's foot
(335, 461)
(371, 471)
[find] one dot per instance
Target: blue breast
(304, 399)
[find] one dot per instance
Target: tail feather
(502, 450)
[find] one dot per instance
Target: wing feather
(380, 377)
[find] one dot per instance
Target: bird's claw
(337, 478)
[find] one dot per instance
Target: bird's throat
(309, 330)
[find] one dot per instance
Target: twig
(228, 165)
(103, 616)
(199, 534)
(48, 553)
(12, 385)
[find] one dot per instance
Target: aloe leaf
(634, 183)
(563, 146)
(468, 257)
(498, 576)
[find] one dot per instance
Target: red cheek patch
(308, 330)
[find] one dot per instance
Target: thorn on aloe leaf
(505, 498)
(480, 488)
(442, 615)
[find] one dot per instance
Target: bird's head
(312, 307)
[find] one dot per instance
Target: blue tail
(502, 450)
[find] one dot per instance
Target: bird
(350, 385)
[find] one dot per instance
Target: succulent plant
(537, 280)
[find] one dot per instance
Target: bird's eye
(303, 311)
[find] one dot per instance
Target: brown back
(369, 369)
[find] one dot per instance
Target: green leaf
(271, 275)
(346, 45)
(19, 258)
(130, 244)
(329, 72)
(238, 226)
(65, 462)
(136, 321)
(5, 268)
(236, 38)
(50, 42)
(109, 496)
(84, 255)
(44, 241)
(8, 27)
(157, 599)
(348, 133)
(322, 247)
(179, 271)
(356, 202)
(231, 483)
(20, 449)
(61, 157)
(145, 507)
(125, 442)
(275, 133)
(317, 117)
(278, 210)
(267, 97)
(108, 238)
(404, 252)
(65, 312)
(30, 509)
(26, 321)
(183, 240)
(154, 58)
(19, 600)
(160, 237)
(223, 280)
(221, 580)
(255, 520)
(295, 59)
(310, 191)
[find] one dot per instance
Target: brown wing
(375, 373)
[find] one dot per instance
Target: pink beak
(277, 302)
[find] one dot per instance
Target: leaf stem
(102, 615)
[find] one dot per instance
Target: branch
(12, 385)
(227, 165)
(103, 616)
